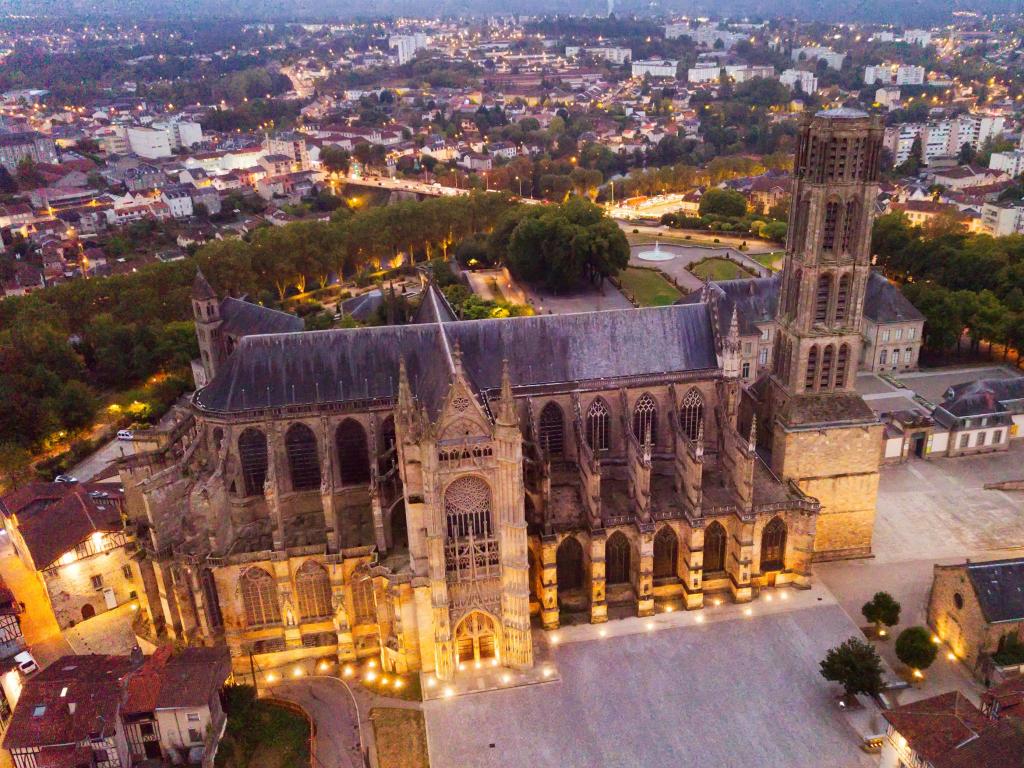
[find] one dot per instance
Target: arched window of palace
(827, 358)
(714, 547)
(467, 507)
(552, 429)
(599, 426)
(259, 598)
(313, 589)
(569, 564)
(353, 456)
(773, 545)
(812, 368)
(691, 413)
(666, 553)
(645, 419)
(252, 453)
(616, 559)
(364, 607)
(303, 458)
(821, 298)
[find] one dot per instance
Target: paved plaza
(740, 691)
(884, 397)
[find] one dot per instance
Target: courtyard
(735, 690)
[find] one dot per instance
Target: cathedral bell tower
(821, 434)
(827, 265)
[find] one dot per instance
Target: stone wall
(70, 586)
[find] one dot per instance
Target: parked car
(65, 479)
(26, 663)
(125, 434)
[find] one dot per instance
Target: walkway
(329, 705)
(38, 625)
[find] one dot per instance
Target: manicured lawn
(719, 269)
(400, 736)
(260, 734)
(648, 287)
(771, 260)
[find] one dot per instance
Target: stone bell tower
(822, 434)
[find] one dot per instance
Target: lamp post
(520, 186)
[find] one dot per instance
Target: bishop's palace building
(426, 494)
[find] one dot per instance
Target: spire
(734, 327)
(201, 288)
(700, 440)
(404, 391)
(752, 438)
(507, 405)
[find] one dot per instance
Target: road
(328, 704)
(404, 185)
(95, 464)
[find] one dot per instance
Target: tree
(335, 159)
(882, 610)
(966, 154)
(855, 665)
(914, 161)
(723, 202)
(914, 647)
(15, 466)
(8, 186)
(76, 405)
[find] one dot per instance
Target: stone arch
(691, 413)
(715, 541)
(303, 457)
(811, 377)
(467, 507)
(313, 591)
(218, 439)
(569, 564)
(599, 426)
(353, 454)
(552, 429)
(773, 545)
(211, 599)
(364, 602)
(618, 559)
(645, 418)
(88, 611)
(822, 297)
(477, 638)
(259, 597)
(666, 553)
(252, 455)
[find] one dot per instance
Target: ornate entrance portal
(476, 639)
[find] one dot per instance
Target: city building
(819, 53)
(799, 79)
(893, 328)
(416, 493)
(610, 54)
(1011, 163)
(920, 37)
(1002, 219)
(15, 147)
(655, 68)
(150, 143)
(292, 146)
(407, 45)
(981, 416)
(894, 74)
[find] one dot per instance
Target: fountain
(656, 255)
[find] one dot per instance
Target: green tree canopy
(855, 665)
(723, 202)
(882, 609)
(914, 647)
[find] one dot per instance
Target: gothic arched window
(645, 419)
(828, 233)
(666, 553)
(303, 458)
(616, 559)
(211, 600)
(842, 300)
(353, 455)
(552, 429)
(388, 440)
(773, 545)
(812, 368)
(691, 415)
(259, 598)
(842, 363)
(714, 548)
(467, 507)
(599, 426)
(821, 298)
(313, 591)
(364, 608)
(569, 564)
(825, 379)
(252, 453)
(850, 223)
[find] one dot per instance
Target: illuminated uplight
(951, 656)
(431, 682)
(935, 639)
(297, 672)
(462, 667)
(449, 692)
(372, 663)
(650, 625)
(271, 677)
(547, 672)
(699, 618)
(324, 666)
(399, 682)
(348, 671)
(918, 674)
(882, 633)
(555, 639)
(784, 596)
(717, 601)
(370, 676)
(602, 633)
(494, 662)
(506, 679)
(383, 681)
(768, 598)
(748, 612)
(669, 609)
(476, 665)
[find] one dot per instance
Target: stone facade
(423, 493)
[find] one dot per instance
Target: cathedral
(429, 494)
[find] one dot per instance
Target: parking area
(744, 691)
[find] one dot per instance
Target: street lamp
(520, 186)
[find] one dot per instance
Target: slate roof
(999, 587)
(44, 717)
(362, 363)
(243, 318)
(170, 680)
(982, 396)
(936, 727)
(885, 303)
(201, 288)
(54, 517)
(434, 307)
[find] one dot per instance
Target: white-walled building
(150, 143)
(610, 54)
(407, 45)
(820, 53)
(1010, 162)
(655, 68)
(1002, 219)
(943, 138)
(920, 37)
(794, 78)
(704, 72)
(894, 74)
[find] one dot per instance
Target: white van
(125, 434)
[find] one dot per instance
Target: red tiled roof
(186, 679)
(1009, 695)
(935, 727)
(91, 687)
